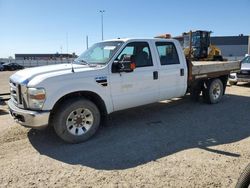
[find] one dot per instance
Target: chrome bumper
(243, 79)
(28, 118)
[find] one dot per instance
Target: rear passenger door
(172, 73)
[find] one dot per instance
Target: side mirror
(125, 65)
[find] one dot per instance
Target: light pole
(102, 12)
(87, 42)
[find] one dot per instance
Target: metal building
(55, 56)
(232, 47)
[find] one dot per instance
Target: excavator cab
(200, 41)
(197, 46)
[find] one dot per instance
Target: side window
(139, 52)
(167, 53)
(128, 50)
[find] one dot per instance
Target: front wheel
(76, 120)
(244, 179)
(213, 92)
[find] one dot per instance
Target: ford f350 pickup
(110, 76)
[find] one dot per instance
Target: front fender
(54, 95)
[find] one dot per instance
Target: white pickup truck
(110, 76)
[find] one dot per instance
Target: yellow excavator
(197, 46)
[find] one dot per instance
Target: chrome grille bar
(16, 94)
(13, 92)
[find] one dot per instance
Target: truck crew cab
(110, 76)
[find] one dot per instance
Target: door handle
(155, 75)
(182, 72)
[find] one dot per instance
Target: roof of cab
(139, 39)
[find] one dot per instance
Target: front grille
(15, 93)
(245, 72)
(243, 76)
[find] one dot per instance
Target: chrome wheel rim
(216, 91)
(79, 121)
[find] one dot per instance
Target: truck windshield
(246, 60)
(99, 53)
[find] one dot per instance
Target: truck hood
(25, 75)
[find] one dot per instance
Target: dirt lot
(177, 143)
(4, 80)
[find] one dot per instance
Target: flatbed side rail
(211, 69)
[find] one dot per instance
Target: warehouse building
(46, 57)
(232, 47)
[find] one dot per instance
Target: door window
(139, 52)
(167, 53)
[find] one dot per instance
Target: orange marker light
(38, 96)
(132, 66)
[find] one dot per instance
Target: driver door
(138, 87)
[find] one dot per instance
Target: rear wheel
(76, 120)
(214, 91)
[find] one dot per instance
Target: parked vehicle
(12, 66)
(243, 75)
(1, 67)
(110, 76)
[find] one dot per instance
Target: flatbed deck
(210, 69)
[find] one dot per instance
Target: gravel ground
(175, 143)
(4, 80)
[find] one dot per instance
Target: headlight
(232, 75)
(36, 98)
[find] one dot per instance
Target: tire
(214, 91)
(76, 120)
(244, 179)
(232, 83)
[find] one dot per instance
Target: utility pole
(249, 45)
(102, 12)
(61, 53)
(87, 41)
(67, 42)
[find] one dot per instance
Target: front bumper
(243, 79)
(29, 118)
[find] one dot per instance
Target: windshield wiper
(87, 63)
(82, 61)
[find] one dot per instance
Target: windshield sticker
(109, 47)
